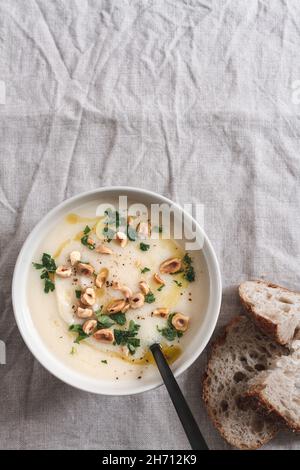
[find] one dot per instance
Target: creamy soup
(100, 293)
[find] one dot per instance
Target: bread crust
(219, 341)
(266, 325)
(266, 408)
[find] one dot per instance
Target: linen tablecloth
(197, 100)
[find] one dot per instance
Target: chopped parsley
(179, 284)
(77, 328)
(48, 263)
(85, 240)
(78, 293)
(161, 287)
(104, 361)
(188, 269)
(144, 246)
(132, 344)
(128, 337)
(119, 318)
(49, 286)
(98, 312)
(108, 233)
(104, 321)
(131, 233)
(145, 270)
(113, 218)
(112, 222)
(149, 298)
(170, 332)
(48, 266)
(38, 265)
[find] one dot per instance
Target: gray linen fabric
(189, 98)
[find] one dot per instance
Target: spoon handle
(183, 411)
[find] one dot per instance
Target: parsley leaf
(38, 265)
(161, 287)
(128, 337)
(45, 274)
(179, 284)
(112, 217)
(108, 233)
(78, 294)
(104, 321)
(188, 269)
(150, 298)
(190, 274)
(104, 361)
(170, 332)
(98, 312)
(85, 240)
(48, 266)
(144, 246)
(131, 233)
(48, 263)
(133, 327)
(77, 328)
(119, 318)
(132, 344)
(49, 286)
(145, 270)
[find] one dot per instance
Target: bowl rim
(74, 378)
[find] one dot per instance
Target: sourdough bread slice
(275, 309)
(236, 358)
(278, 390)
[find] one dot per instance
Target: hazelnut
(170, 266)
(158, 279)
(125, 308)
(143, 229)
(105, 335)
(64, 271)
(85, 269)
(137, 300)
(122, 238)
(115, 305)
(144, 287)
(161, 312)
(88, 297)
(75, 257)
(89, 326)
(84, 312)
(104, 250)
(101, 277)
(180, 322)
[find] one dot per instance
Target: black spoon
(184, 413)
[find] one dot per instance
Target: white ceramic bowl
(35, 343)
